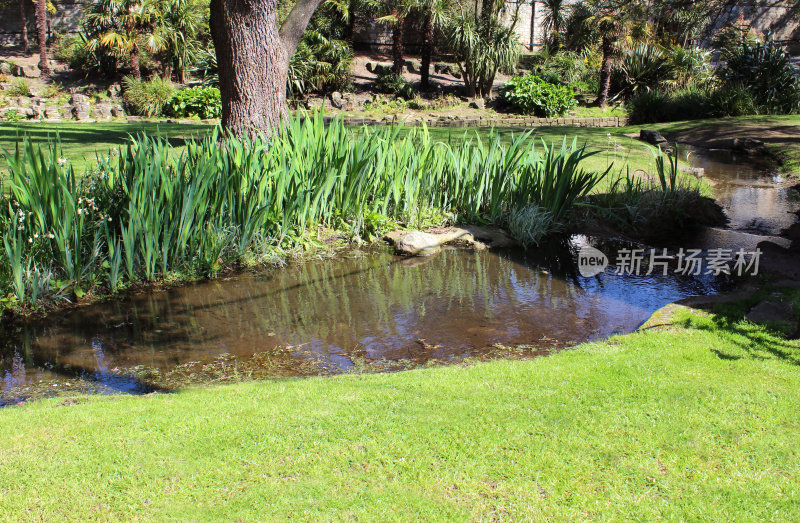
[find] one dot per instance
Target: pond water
(757, 200)
(364, 311)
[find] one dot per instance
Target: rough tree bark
(605, 71)
(41, 26)
(398, 46)
(136, 65)
(23, 16)
(427, 51)
(253, 60)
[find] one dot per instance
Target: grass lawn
(695, 420)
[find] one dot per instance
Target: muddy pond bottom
(362, 312)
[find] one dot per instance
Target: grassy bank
(694, 420)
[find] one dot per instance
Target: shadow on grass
(773, 340)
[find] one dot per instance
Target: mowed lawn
(81, 143)
(694, 421)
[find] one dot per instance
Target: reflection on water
(366, 308)
(757, 200)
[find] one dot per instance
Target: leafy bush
(767, 71)
(319, 64)
(19, 87)
(733, 100)
(529, 224)
(532, 94)
(147, 97)
(204, 102)
(14, 116)
(389, 82)
(668, 106)
(645, 68)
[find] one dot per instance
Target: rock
(114, 90)
(417, 243)
(51, 112)
(478, 103)
(778, 260)
(338, 100)
(697, 172)
(749, 146)
(494, 237)
(117, 111)
(66, 111)
(652, 137)
(101, 111)
(78, 99)
(315, 103)
(768, 311)
(6, 68)
(27, 71)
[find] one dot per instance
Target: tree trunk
(253, 60)
(136, 67)
(427, 51)
(23, 16)
(253, 65)
(605, 71)
(397, 46)
(41, 26)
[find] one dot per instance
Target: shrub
(646, 67)
(733, 100)
(668, 106)
(14, 116)
(531, 94)
(389, 82)
(204, 102)
(767, 71)
(319, 64)
(529, 224)
(147, 97)
(19, 87)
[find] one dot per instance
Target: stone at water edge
(417, 243)
(767, 311)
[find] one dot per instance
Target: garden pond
(369, 311)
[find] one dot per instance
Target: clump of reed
(149, 210)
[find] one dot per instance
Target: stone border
(454, 121)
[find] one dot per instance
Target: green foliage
(14, 116)
(203, 102)
(767, 71)
(19, 87)
(148, 209)
(532, 94)
(667, 106)
(733, 100)
(319, 64)
(147, 97)
(389, 82)
(482, 46)
(643, 68)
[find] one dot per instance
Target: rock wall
(66, 20)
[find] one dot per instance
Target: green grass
(695, 421)
(82, 142)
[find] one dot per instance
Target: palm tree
(41, 27)
(482, 45)
(117, 26)
(177, 25)
(555, 20)
(613, 22)
(398, 10)
(23, 16)
(435, 13)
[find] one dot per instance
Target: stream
(369, 311)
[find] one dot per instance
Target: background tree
(555, 20)
(483, 45)
(118, 26)
(23, 16)
(615, 23)
(435, 14)
(396, 13)
(41, 28)
(253, 55)
(178, 24)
